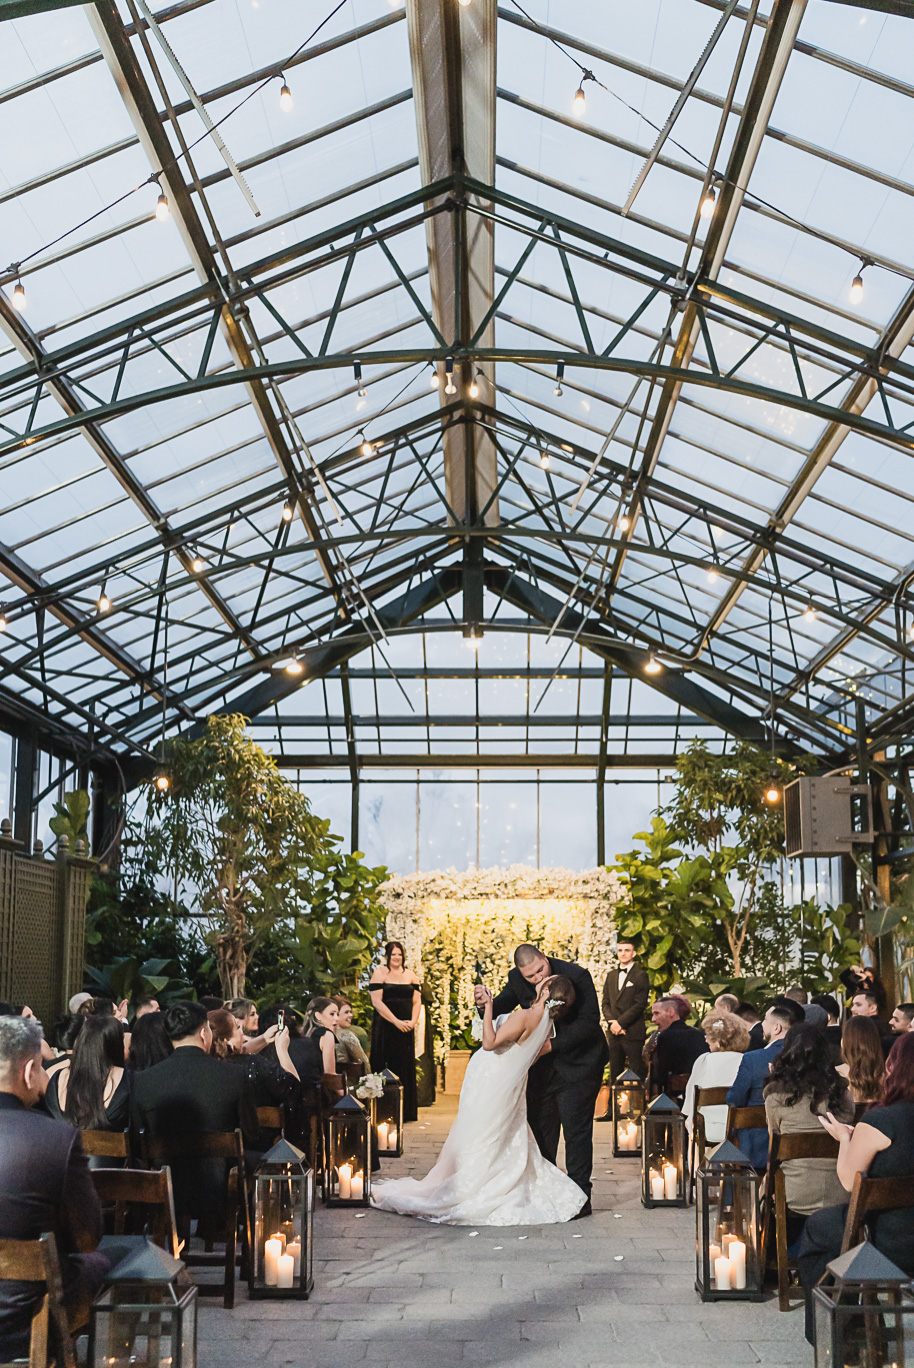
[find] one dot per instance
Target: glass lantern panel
(143, 1327)
(663, 1157)
(283, 1210)
(349, 1176)
(389, 1119)
(727, 1225)
(628, 1109)
(871, 1326)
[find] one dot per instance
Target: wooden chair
(745, 1118)
(312, 1128)
(794, 1145)
(161, 1150)
(704, 1097)
(35, 1261)
(106, 1144)
(677, 1085)
(870, 1195)
(146, 1192)
(272, 1119)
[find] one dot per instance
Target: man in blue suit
(747, 1088)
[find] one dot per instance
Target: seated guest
(304, 1052)
(148, 1042)
(321, 1017)
(832, 1027)
(44, 1187)
(92, 1089)
(349, 1049)
(866, 1004)
(798, 995)
(727, 1002)
(902, 1019)
(271, 1076)
(210, 1004)
(143, 1006)
(728, 1040)
(246, 1012)
(864, 1063)
(189, 1092)
(748, 1013)
(881, 1145)
(677, 1045)
(802, 1086)
(747, 1089)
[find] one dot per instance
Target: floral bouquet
(371, 1085)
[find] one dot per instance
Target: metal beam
(479, 760)
(521, 720)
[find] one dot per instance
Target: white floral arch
(454, 924)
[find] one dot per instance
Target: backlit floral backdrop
(454, 925)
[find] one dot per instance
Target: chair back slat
(710, 1097)
(106, 1144)
(871, 1195)
(36, 1261)
(271, 1118)
(746, 1118)
(149, 1188)
(802, 1145)
(160, 1149)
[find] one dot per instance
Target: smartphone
(281, 1020)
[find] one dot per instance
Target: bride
(490, 1171)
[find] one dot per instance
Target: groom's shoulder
(570, 969)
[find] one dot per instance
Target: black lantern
(663, 1175)
(627, 1101)
(389, 1117)
(866, 1317)
(727, 1254)
(281, 1263)
(143, 1317)
(347, 1179)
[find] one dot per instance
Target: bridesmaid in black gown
(395, 997)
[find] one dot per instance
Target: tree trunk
(232, 955)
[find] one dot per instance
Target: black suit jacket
(678, 1047)
(579, 1051)
(190, 1091)
(629, 1006)
(44, 1186)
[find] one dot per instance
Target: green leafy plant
(128, 978)
(335, 940)
(71, 818)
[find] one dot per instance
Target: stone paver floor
(394, 1291)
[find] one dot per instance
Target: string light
(434, 379)
(163, 783)
(579, 103)
(623, 523)
(294, 667)
(559, 377)
(856, 291)
(473, 638)
(357, 369)
(198, 563)
(366, 448)
(708, 202)
(473, 390)
(104, 603)
(3, 621)
(653, 666)
(810, 614)
(910, 629)
(285, 96)
(162, 209)
(19, 297)
(772, 793)
(288, 511)
(464, 3)
(713, 575)
(449, 387)
(544, 460)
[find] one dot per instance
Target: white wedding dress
(490, 1171)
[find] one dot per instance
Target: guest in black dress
(271, 1079)
(397, 1002)
(92, 1091)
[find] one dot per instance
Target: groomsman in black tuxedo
(625, 995)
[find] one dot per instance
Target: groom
(563, 1084)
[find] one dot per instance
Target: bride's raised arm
(512, 1028)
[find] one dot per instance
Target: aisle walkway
(391, 1291)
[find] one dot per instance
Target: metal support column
(601, 768)
(353, 758)
(25, 775)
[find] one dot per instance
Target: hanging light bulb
(708, 202)
(434, 379)
(473, 637)
(856, 291)
(294, 667)
(19, 297)
(623, 523)
(810, 614)
(910, 629)
(579, 103)
(464, 3)
(772, 792)
(163, 783)
(285, 97)
(3, 620)
(357, 368)
(449, 386)
(559, 377)
(713, 575)
(544, 460)
(288, 511)
(366, 448)
(198, 563)
(162, 210)
(653, 666)
(473, 389)
(104, 603)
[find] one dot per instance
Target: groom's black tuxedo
(562, 1087)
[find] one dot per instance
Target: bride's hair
(560, 990)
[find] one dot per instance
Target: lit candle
(383, 1135)
(669, 1182)
(737, 1256)
(272, 1252)
(714, 1253)
(358, 1187)
(285, 1271)
(281, 1237)
(656, 1187)
(632, 1135)
(623, 1103)
(345, 1172)
(293, 1248)
(392, 1138)
(722, 1273)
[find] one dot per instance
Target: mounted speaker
(825, 815)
